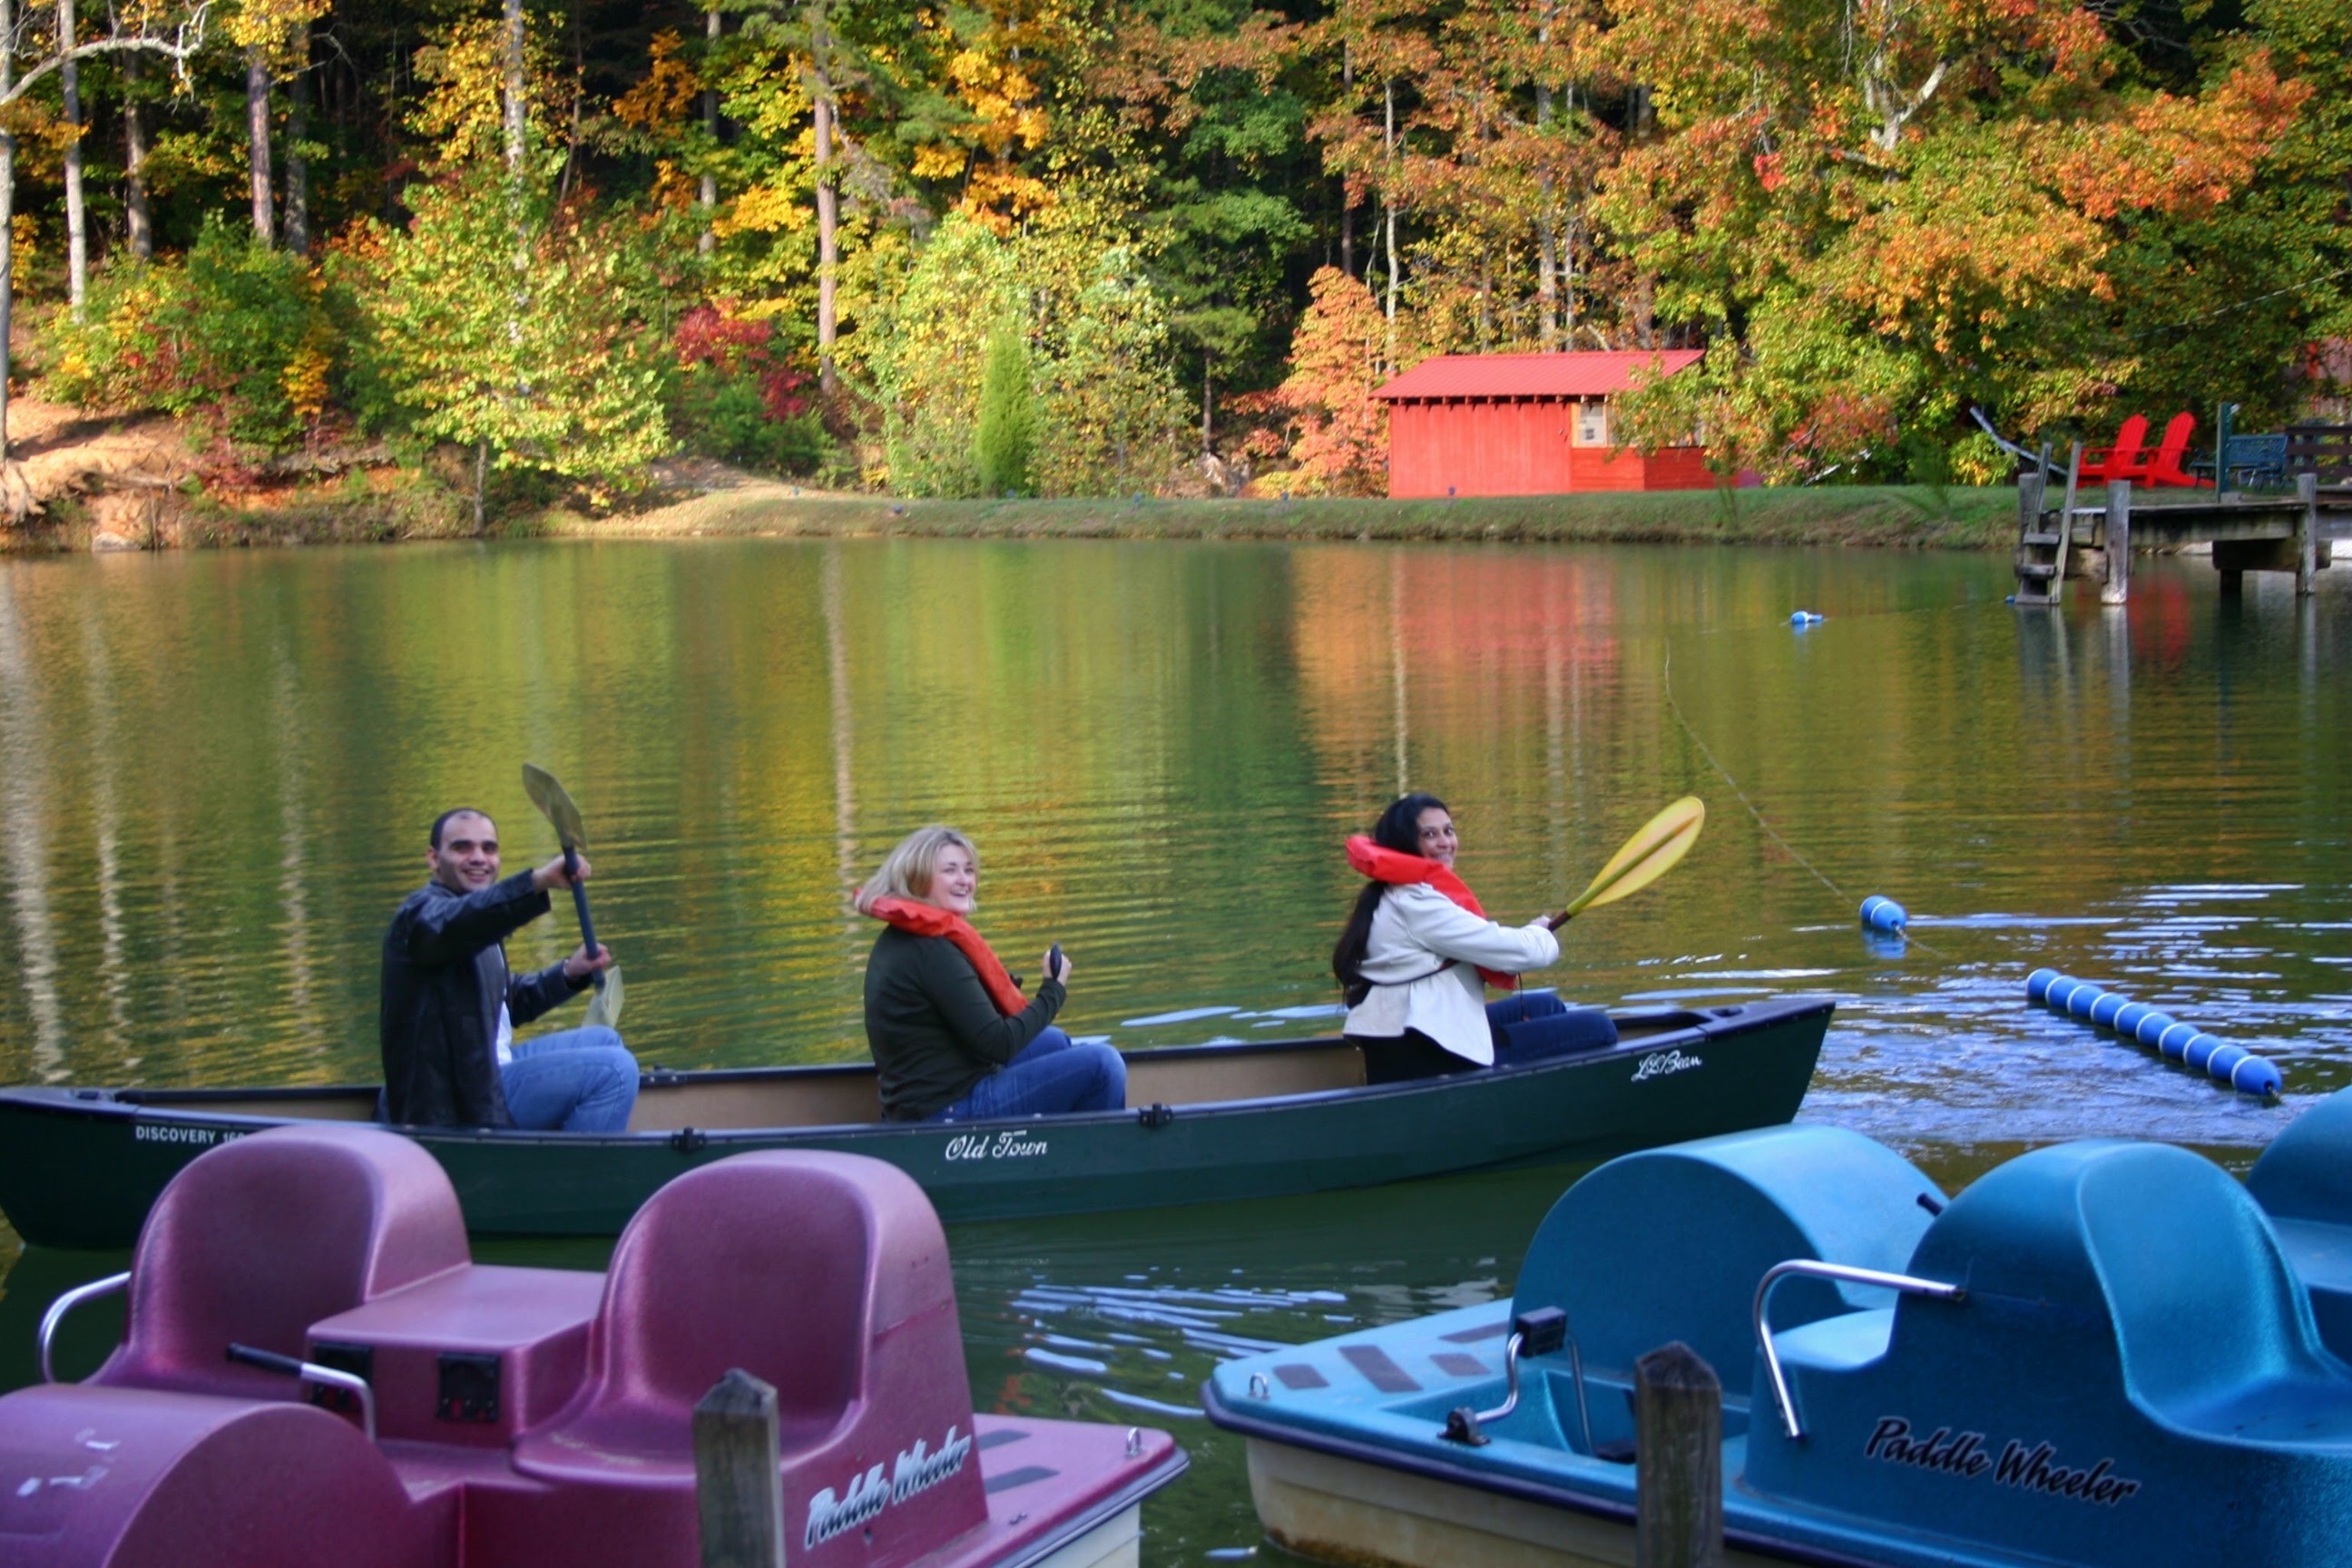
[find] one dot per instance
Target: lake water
(216, 772)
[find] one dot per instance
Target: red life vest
(1398, 870)
(929, 920)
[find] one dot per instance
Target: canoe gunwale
(117, 1150)
(1257, 1429)
(1711, 1025)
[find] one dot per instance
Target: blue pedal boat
(2101, 1353)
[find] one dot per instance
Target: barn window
(1592, 424)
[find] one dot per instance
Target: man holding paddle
(450, 1006)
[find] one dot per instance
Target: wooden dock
(2087, 538)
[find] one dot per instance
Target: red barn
(1528, 425)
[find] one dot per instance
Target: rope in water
(1675, 707)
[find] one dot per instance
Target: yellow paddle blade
(1649, 855)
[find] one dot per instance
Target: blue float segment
(2227, 1063)
(2255, 1075)
(1883, 913)
(1804, 618)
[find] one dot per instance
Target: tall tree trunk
(1347, 191)
(135, 216)
(298, 165)
(77, 209)
(256, 136)
(7, 228)
(1547, 220)
(571, 129)
(1208, 408)
(511, 53)
(1389, 219)
(828, 242)
(708, 241)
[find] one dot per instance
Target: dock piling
(2306, 533)
(2114, 583)
(738, 1474)
(1679, 1460)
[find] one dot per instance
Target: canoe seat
(822, 1274)
(258, 1238)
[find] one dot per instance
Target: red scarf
(929, 920)
(1382, 865)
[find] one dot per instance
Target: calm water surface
(216, 771)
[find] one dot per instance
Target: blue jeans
(578, 1081)
(1050, 1074)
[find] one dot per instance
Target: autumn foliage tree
(1339, 358)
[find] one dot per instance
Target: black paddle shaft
(579, 902)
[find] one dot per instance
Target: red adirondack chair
(2123, 459)
(2165, 467)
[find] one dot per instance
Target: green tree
(1005, 439)
(1111, 417)
(551, 367)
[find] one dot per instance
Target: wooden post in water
(1677, 1461)
(737, 1474)
(2115, 587)
(2306, 533)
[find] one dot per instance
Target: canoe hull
(79, 1168)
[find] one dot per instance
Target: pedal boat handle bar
(1908, 1284)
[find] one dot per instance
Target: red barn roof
(1581, 373)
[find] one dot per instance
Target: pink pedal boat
(392, 1404)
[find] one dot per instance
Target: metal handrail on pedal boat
(1908, 1284)
(67, 1303)
(1538, 1332)
(312, 1371)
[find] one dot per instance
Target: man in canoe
(450, 1005)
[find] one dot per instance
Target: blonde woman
(953, 1039)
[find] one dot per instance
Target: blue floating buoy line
(2234, 1065)
(1804, 618)
(1883, 913)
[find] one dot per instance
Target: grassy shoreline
(1914, 517)
(91, 515)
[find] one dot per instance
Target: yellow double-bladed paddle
(1649, 855)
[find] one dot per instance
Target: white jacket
(1415, 931)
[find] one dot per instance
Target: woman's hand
(1054, 971)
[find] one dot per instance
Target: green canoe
(78, 1167)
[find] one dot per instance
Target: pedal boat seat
(2304, 1181)
(1670, 1244)
(258, 1238)
(2130, 1308)
(822, 1274)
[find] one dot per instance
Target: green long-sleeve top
(933, 1031)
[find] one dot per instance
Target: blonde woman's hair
(905, 872)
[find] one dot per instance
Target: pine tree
(1007, 437)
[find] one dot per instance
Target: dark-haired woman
(1418, 953)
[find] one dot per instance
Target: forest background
(1068, 246)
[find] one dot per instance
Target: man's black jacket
(445, 975)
